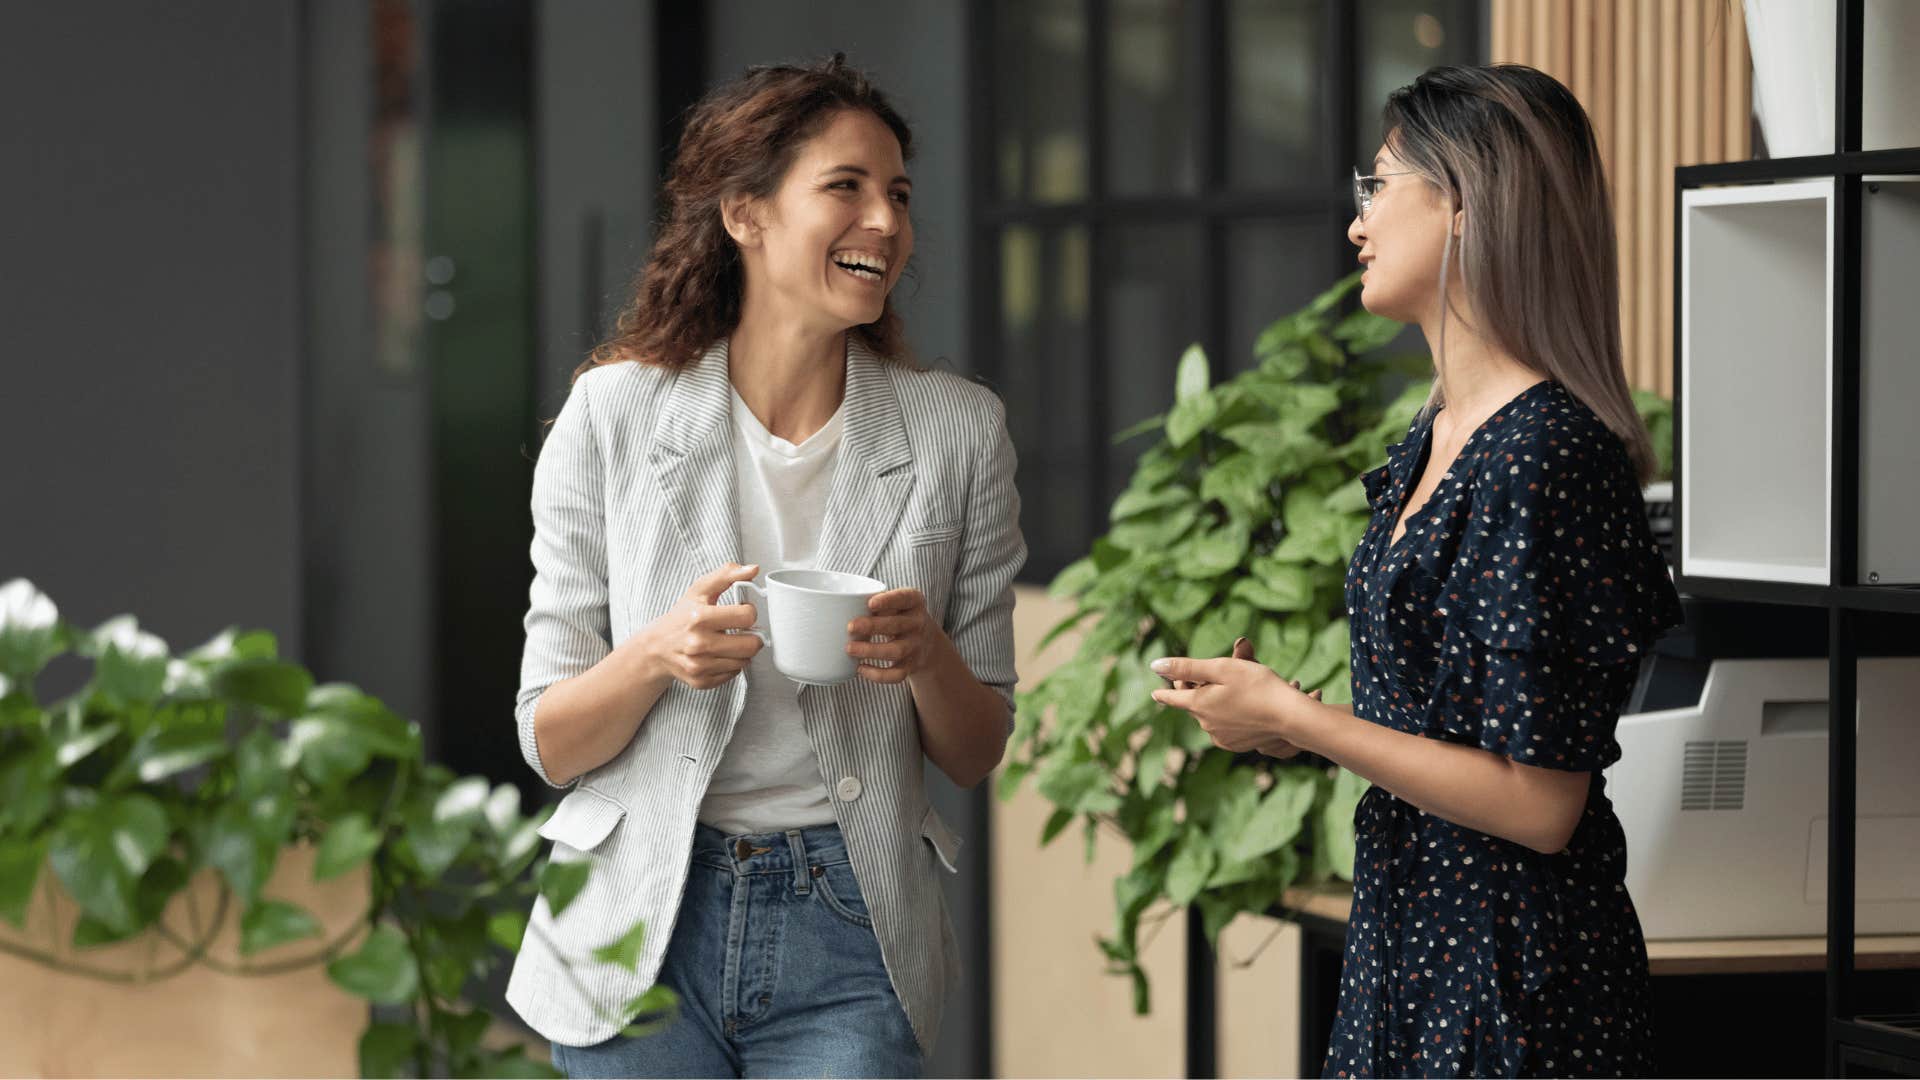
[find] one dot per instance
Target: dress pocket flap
(945, 843)
(933, 534)
(583, 820)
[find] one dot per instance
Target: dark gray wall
(368, 521)
(149, 324)
(598, 160)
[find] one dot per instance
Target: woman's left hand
(1243, 705)
(900, 616)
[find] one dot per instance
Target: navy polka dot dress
(1511, 616)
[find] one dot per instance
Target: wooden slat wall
(1666, 83)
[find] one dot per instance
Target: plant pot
(199, 1022)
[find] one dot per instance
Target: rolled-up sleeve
(980, 610)
(567, 621)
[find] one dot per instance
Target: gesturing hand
(1240, 703)
(899, 618)
(690, 642)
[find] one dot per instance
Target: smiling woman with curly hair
(754, 410)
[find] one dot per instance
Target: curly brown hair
(741, 138)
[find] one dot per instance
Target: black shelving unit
(1876, 1044)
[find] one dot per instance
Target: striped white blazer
(633, 499)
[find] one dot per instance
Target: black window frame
(1216, 206)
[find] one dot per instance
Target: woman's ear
(736, 216)
(1459, 223)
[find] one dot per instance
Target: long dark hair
(1513, 148)
(740, 139)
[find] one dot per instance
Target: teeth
(861, 262)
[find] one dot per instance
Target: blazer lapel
(692, 456)
(873, 477)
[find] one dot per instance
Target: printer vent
(1713, 775)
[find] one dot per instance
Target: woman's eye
(904, 197)
(844, 185)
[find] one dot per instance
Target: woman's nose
(883, 216)
(1357, 232)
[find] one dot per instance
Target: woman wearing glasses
(1500, 602)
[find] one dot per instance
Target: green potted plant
(1239, 521)
(164, 768)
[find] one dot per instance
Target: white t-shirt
(768, 779)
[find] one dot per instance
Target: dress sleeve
(1558, 592)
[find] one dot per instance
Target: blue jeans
(777, 968)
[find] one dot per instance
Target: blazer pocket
(583, 820)
(945, 844)
(934, 534)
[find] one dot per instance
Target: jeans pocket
(839, 890)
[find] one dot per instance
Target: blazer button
(848, 789)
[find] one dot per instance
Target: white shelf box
(1756, 380)
(1889, 381)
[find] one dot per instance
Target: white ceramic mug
(802, 615)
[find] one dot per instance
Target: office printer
(1722, 783)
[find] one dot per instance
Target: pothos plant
(162, 767)
(1239, 520)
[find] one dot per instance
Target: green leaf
(503, 809)
(1282, 645)
(243, 841)
(373, 726)
(382, 970)
(1155, 530)
(1191, 379)
(73, 742)
(1178, 599)
(1290, 587)
(327, 750)
(387, 1050)
(1136, 501)
(90, 933)
(1218, 628)
(1362, 332)
(1214, 552)
(29, 631)
(268, 923)
(131, 664)
(1330, 649)
(626, 950)
(1239, 481)
(27, 780)
(1073, 580)
(1193, 860)
(1145, 427)
(1083, 787)
(1277, 821)
(561, 882)
(19, 871)
(273, 685)
(464, 802)
(507, 928)
(1189, 418)
(432, 845)
(349, 841)
(99, 854)
(651, 1011)
(169, 752)
(1057, 823)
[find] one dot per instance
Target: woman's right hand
(690, 643)
(1278, 748)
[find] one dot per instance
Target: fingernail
(1239, 641)
(1161, 666)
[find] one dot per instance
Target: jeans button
(741, 849)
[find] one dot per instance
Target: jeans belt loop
(801, 883)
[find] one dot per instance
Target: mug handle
(751, 593)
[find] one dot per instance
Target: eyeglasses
(1365, 187)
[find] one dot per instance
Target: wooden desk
(1333, 903)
